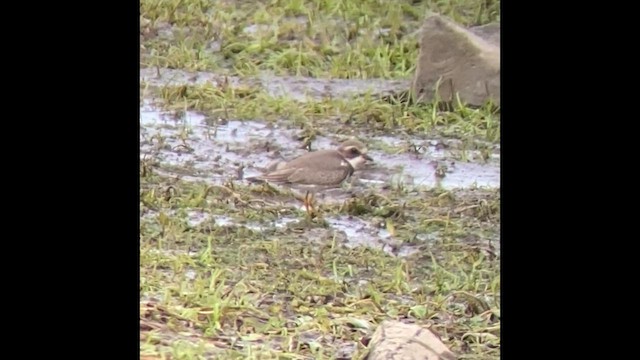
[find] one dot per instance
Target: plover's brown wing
(326, 177)
(321, 160)
(277, 176)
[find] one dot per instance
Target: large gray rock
(466, 61)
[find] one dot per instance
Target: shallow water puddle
(362, 233)
(197, 148)
(348, 230)
(403, 170)
(359, 232)
(189, 147)
(222, 220)
(433, 163)
(356, 232)
(293, 87)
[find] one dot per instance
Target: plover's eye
(355, 151)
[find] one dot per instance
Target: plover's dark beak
(367, 157)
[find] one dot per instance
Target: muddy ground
(194, 147)
(420, 197)
(232, 270)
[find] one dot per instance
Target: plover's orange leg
(308, 203)
(311, 200)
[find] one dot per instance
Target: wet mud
(194, 147)
(297, 88)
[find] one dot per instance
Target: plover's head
(355, 152)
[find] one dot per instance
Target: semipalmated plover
(317, 170)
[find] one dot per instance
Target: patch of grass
(344, 39)
(372, 114)
(219, 287)
(329, 38)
